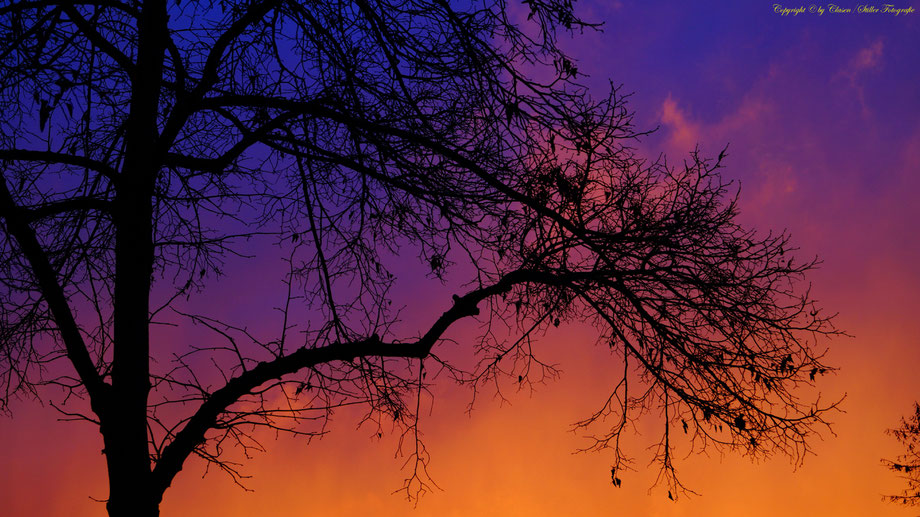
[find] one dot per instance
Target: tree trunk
(124, 425)
(124, 421)
(130, 490)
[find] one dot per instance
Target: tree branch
(97, 39)
(456, 155)
(35, 213)
(51, 157)
(187, 105)
(54, 296)
(193, 434)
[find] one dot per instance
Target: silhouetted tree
(145, 142)
(908, 463)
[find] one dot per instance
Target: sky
(821, 113)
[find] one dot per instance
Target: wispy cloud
(869, 58)
(683, 134)
(865, 61)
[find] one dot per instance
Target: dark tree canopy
(907, 464)
(144, 143)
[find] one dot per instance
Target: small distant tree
(907, 465)
(144, 143)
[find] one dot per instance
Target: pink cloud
(866, 60)
(683, 134)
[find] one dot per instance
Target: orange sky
(822, 119)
